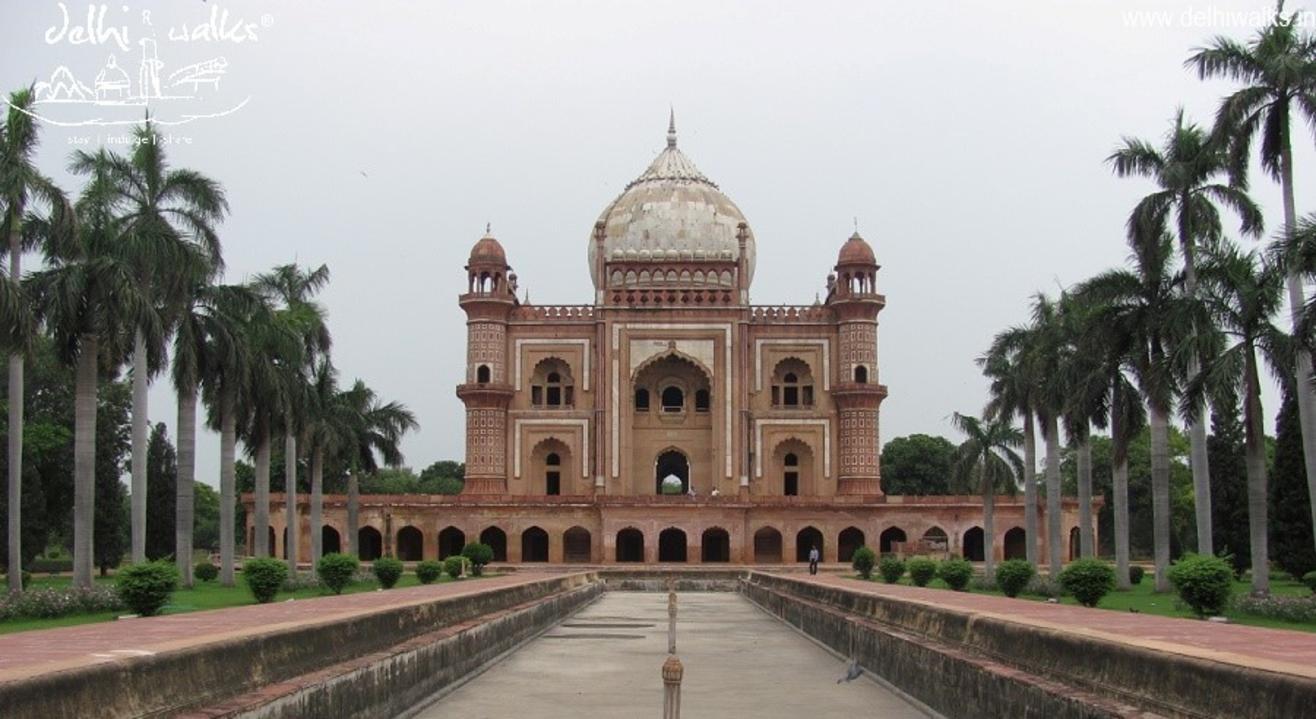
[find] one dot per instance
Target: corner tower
(852, 295)
(489, 299)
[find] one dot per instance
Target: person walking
(813, 560)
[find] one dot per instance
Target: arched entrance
(715, 545)
(851, 538)
(630, 545)
(935, 540)
(330, 542)
(671, 545)
(451, 541)
(672, 462)
(370, 544)
(767, 546)
(534, 545)
(576, 545)
(411, 544)
(497, 541)
(974, 549)
(807, 539)
(889, 537)
(1016, 543)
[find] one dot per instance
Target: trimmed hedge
(478, 555)
(453, 566)
(1136, 573)
(205, 572)
(146, 587)
(921, 570)
(1013, 576)
(1088, 580)
(429, 571)
(388, 571)
(1203, 582)
(263, 577)
(1309, 579)
(891, 569)
(956, 573)
(863, 561)
(336, 570)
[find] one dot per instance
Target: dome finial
(671, 127)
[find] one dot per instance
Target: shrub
(478, 555)
(891, 569)
(453, 566)
(863, 561)
(1203, 582)
(1288, 609)
(428, 571)
(52, 603)
(145, 588)
(1013, 576)
(956, 573)
(336, 570)
(1136, 573)
(922, 570)
(387, 570)
(1308, 579)
(1047, 586)
(1088, 580)
(205, 572)
(51, 565)
(264, 577)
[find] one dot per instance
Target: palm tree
(168, 229)
(325, 432)
(1278, 70)
(22, 187)
(207, 343)
(1048, 357)
(1085, 404)
(1185, 169)
(295, 288)
(90, 301)
(1242, 296)
(987, 455)
(1013, 390)
(372, 426)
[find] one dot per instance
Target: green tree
(373, 427)
(1228, 479)
(1277, 69)
(917, 464)
(1010, 365)
(89, 299)
(161, 493)
(987, 461)
(23, 188)
(1290, 504)
(205, 530)
(113, 432)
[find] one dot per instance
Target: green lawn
(1145, 600)
(204, 596)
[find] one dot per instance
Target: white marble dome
(671, 212)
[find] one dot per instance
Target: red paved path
(1280, 650)
(24, 654)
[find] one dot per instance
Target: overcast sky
(968, 138)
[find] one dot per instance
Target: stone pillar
(671, 622)
(556, 549)
(672, 673)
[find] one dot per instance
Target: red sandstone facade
(763, 419)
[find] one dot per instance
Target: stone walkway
(1279, 650)
(25, 654)
(605, 662)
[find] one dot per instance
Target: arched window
(553, 474)
(792, 384)
(701, 400)
(791, 475)
(482, 374)
(673, 399)
(551, 386)
(641, 400)
(861, 374)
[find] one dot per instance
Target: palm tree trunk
(1030, 490)
(1306, 395)
(261, 522)
(290, 498)
(1257, 521)
(353, 512)
(988, 527)
(84, 460)
(1197, 453)
(1159, 422)
(317, 504)
(138, 466)
(1120, 490)
(227, 488)
(1085, 534)
(15, 558)
(1053, 541)
(184, 508)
